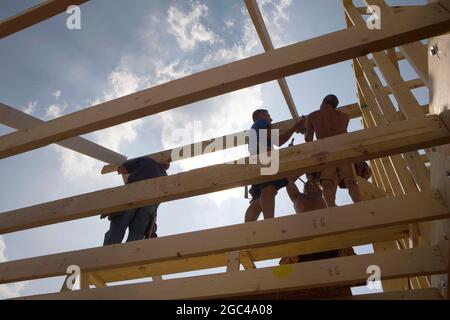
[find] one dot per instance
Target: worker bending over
(141, 222)
(311, 199)
(325, 123)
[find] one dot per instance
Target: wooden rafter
(324, 273)
(342, 45)
(361, 217)
(16, 119)
(38, 13)
(357, 146)
(263, 33)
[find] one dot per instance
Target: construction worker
(263, 195)
(325, 123)
(311, 199)
(141, 222)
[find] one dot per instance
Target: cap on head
(257, 114)
(332, 100)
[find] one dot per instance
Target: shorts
(338, 174)
(256, 189)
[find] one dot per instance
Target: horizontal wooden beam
(351, 110)
(315, 274)
(319, 244)
(19, 120)
(363, 10)
(399, 137)
(405, 27)
(40, 12)
(421, 294)
(411, 84)
(366, 215)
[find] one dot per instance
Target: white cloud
(31, 106)
(246, 46)
(187, 27)
(276, 15)
(75, 166)
(57, 94)
(8, 290)
(230, 23)
(53, 111)
(122, 82)
(171, 71)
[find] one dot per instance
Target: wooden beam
(423, 294)
(320, 244)
(19, 120)
(40, 12)
(346, 270)
(416, 53)
(363, 10)
(96, 280)
(439, 232)
(406, 100)
(239, 139)
(336, 47)
(263, 34)
(398, 55)
(359, 217)
(85, 281)
(247, 260)
(233, 261)
(411, 84)
(348, 148)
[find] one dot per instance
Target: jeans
(138, 220)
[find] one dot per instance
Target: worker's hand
(122, 170)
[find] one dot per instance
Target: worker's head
(261, 114)
(165, 165)
(331, 100)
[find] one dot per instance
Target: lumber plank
(405, 27)
(352, 147)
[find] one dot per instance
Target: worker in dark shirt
(139, 221)
(263, 195)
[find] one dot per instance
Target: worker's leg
(268, 201)
(118, 226)
(329, 192)
(328, 180)
(139, 225)
(353, 189)
(347, 174)
(292, 190)
(253, 211)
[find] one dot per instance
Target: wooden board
(332, 272)
(40, 12)
(336, 47)
(16, 119)
(275, 232)
(310, 157)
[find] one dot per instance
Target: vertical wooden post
(234, 263)
(437, 232)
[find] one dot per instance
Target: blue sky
(49, 71)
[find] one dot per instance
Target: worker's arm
(298, 127)
(292, 190)
(309, 131)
